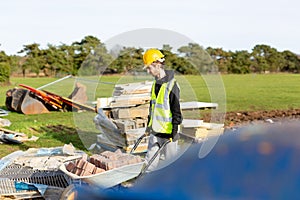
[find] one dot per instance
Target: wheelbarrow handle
(138, 142)
(153, 157)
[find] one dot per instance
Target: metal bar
(153, 158)
(137, 143)
(13, 172)
(54, 82)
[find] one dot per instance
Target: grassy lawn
(262, 92)
(243, 93)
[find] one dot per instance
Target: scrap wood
(197, 105)
(71, 102)
(21, 195)
(131, 112)
(13, 132)
(142, 148)
(10, 136)
(133, 88)
(34, 192)
(57, 101)
(130, 101)
(191, 123)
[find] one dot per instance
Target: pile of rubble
(12, 137)
(122, 118)
(31, 173)
(36, 172)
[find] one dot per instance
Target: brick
(89, 167)
(110, 155)
(110, 165)
(70, 166)
(118, 151)
(92, 159)
(78, 171)
(85, 173)
(81, 163)
(84, 157)
(98, 170)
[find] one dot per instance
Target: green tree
(96, 62)
(179, 64)
(240, 62)
(198, 57)
(222, 58)
(55, 61)
(82, 49)
(34, 61)
(69, 55)
(14, 61)
(129, 58)
(292, 62)
(4, 73)
(4, 68)
(3, 57)
(267, 58)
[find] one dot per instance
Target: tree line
(90, 56)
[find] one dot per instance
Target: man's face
(154, 69)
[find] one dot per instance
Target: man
(164, 112)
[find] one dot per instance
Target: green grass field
(243, 93)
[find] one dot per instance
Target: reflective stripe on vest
(160, 114)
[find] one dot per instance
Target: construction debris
(4, 122)
(102, 162)
(13, 137)
(48, 158)
(35, 101)
(122, 118)
(199, 130)
(3, 112)
(106, 169)
(35, 173)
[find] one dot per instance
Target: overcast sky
(230, 24)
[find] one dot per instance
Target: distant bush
(4, 73)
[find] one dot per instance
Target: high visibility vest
(160, 113)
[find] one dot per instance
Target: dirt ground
(246, 117)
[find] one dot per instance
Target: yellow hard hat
(152, 55)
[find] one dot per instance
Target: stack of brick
(83, 168)
(128, 110)
(109, 160)
(99, 163)
(200, 130)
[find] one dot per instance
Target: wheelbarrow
(108, 178)
(119, 175)
(146, 166)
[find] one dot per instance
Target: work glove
(147, 131)
(175, 134)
